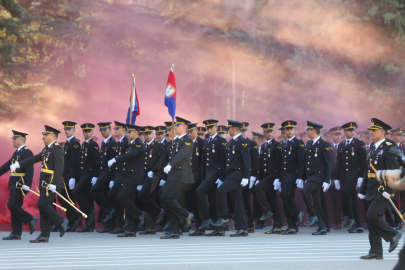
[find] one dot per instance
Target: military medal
(268, 153)
(213, 148)
(376, 161)
(352, 151)
(119, 153)
(85, 153)
(196, 152)
(233, 150)
(177, 148)
(150, 154)
(289, 151)
(316, 152)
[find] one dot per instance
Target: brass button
(347, 163)
(101, 167)
(227, 164)
(264, 169)
(207, 164)
(145, 168)
(264, 164)
(82, 168)
(308, 162)
(285, 168)
(307, 169)
(347, 151)
(347, 169)
(264, 158)
(123, 169)
(191, 163)
(285, 162)
(285, 156)
(347, 158)
(228, 159)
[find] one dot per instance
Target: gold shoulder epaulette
(26, 148)
(388, 143)
(56, 143)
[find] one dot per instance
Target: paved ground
(337, 250)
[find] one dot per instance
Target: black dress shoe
(320, 232)
(170, 236)
(12, 237)
(274, 231)
(216, 233)
(142, 219)
(164, 228)
(127, 234)
(147, 231)
(240, 233)
(185, 228)
(356, 230)
(205, 224)
(109, 216)
(197, 233)
(260, 225)
(311, 221)
(221, 222)
(187, 221)
(327, 229)
(371, 257)
(400, 226)
(299, 219)
(251, 230)
(266, 216)
(54, 228)
(92, 219)
(40, 239)
(63, 227)
(118, 230)
(338, 227)
(160, 217)
(289, 231)
(33, 225)
(394, 242)
(104, 230)
(76, 224)
(86, 229)
(125, 224)
(349, 223)
(226, 227)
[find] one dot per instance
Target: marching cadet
(350, 166)
(317, 172)
(258, 138)
(377, 194)
(155, 159)
(115, 185)
(141, 136)
(388, 135)
(236, 176)
(196, 160)
(132, 176)
(292, 161)
(223, 131)
(178, 172)
(71, 172)
(270, 170)
(336, 193)
(51, 158)
(101, 185)
(19, 183)
(212, 175)
(201, 132)
(89, 172)
(254, 171)
(283, 137)
(160, 134)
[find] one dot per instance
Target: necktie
(347, 142)
(311, 142)
(372, 150)
(335, 146)
(265, 146)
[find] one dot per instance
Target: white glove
(337, 184)
(52, 188)
(300, 183)
(139, 187)
(386, 195)
(325, 186)
(14, 166)
(361, 196)
(244, 182)
(359, 182)
(150, 174)
(252, 181)
(279, 189)
(167, 169)
(162, 182)
(72, 183)
(219, 183)
(276, 184)
(257, 182)
(93, 181)
(26, 188)
(111, 162)
(111, 184)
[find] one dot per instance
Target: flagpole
(172, 118)
(132, 99)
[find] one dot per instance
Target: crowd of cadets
(145, 181)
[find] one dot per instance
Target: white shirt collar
(162, 141)
(19, 148)
(49, 145)
(70, 138)
(106, 140)
(315, 140)
(290, 138)
(120, 140)
(350, 140)
(132, 141)
(335, 144)
(151, 141)
(268, 142)
(377, 144)
(213, 136)
(88, 140)
(179, 137)
(195, 139)
(236, 136)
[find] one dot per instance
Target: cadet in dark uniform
(350, 166)
(50, 181)
(101, 186)
(212, 174)
(71, 173)
(292, 161)
(155, 159)
(178, 172)
(336, 193)
(201, 132)
(317, 172)
(223, 131)
(236, 176)
(270, 170)
(397, 138)
(132, 176)
(379, 159)
(24, 177)
(89, 171)
(160, 133)
(115, 185)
